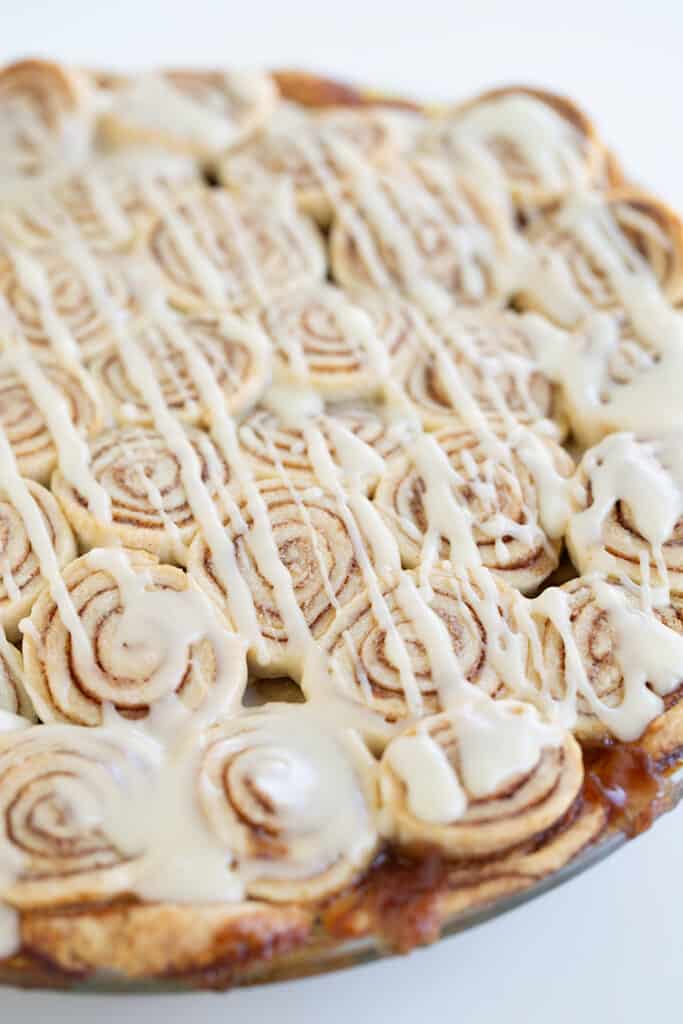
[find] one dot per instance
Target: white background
(606, 946)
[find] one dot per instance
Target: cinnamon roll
(149, 507)
(105, 204)
(310, 151)
(300, 550)
(43, 117)
(61, 790)
(21, 580)
(397, 324)
(380, 655)
(360, 439)
(627, 515)
(292, 797)
(126, 632)
(436, 792)
(236, 353)
(13, 695)
(543, 144)
(612, 663)
(323, 342)
(403, 118)
(602, 252)
(24, 417)
(201, 112)
(619, 374)
(63, 300)
(488, 358)
(478, 497)
(418, 229)
(213, 249)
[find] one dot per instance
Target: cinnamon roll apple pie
(341, 510)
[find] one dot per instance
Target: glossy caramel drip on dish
(630, 784)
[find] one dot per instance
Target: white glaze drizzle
(151, 103)
(72, 448)
(354, 508)
(648, 399)
(435, 794)
(41, 543)
(445, 516)
(496, 739)
(646, 651)
(261, 540)
(549, 145)
(204, 272)
(647, 475)
(33, 280)
(590, 223)
(353, 323)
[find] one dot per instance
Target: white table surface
(606, 946)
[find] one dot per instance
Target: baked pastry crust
(290, 655)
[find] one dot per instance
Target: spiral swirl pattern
(21, 580)
(419, 230)
(211, 249)
(51, 302)
(506, 123)
(40, 103)
(369, 640)
(492, 359)
(237, 356)
(598, 248)
(47, 214)
(594, 637)
(105, 205)
(322, 341)
(517, 810)
(277, 446)
(395, 324)
(24, 424)
(142, 475)
(497, 494)
(310, 534)
(303, 149)
(135, 663)
(607, 534)
(60, 789)
(293, 802)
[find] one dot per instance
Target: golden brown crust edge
(318, 91)
(400, 904)
(403, 901)
(668, 221)
(138, 942)
(562, 105)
